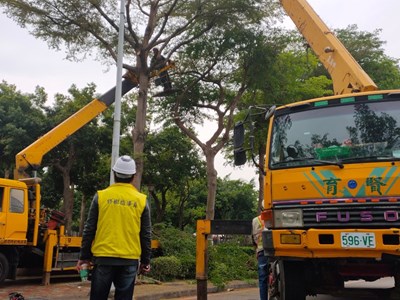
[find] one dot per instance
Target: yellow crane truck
(332, 178)
(29, 236)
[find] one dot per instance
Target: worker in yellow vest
(262, 259)
(117, 235)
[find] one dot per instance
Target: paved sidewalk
(80, 291)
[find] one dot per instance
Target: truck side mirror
(238, 135)
(239, 157)
(239, 153)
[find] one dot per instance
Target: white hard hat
(125, 165)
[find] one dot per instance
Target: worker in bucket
(159, 62)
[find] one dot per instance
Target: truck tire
(4, 267)
(288, 281)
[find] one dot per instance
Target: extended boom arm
(346, 73)
(32, 155)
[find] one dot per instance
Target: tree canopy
(90, 27)
(368, 49)
(173, 164)
(21, 122)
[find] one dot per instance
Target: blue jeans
(123, 278)
(262, 261)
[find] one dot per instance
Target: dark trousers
(262, 261)
(123, 278)
(165, 80)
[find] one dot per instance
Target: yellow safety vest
(259, 234)
(118, 225)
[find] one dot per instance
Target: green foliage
(220, 274)
(87, 27)
(173, 165)
(179, 254)
(229, 261)
(315, 87)
(165, 268)
(367, 49)
(174, 242)
(52, 189)
(22, 121)
(188, 267)
(294, 69)
(235, 200)
(259, 56)
(171, 158)
(187, 205)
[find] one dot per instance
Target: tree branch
(130, 28)
(104, 15)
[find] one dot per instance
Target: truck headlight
(288, 218)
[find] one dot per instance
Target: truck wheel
(288, 281)
(4, 267)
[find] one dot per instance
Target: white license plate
(357, 239)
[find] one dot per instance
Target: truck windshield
(350, 133)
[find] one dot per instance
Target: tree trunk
(82, 215)
(68, 204)
(158, 208)
(163, 204)
(139, 132)
(215, 143)
(181, 209)
(68, 187)
(211, 185)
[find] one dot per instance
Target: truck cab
(14, 208)
(331, 174)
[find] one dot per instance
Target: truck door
(17, 220)
(13, 215)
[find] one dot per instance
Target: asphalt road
(355, 290)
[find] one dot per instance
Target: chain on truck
(32, 237)
(332, 177)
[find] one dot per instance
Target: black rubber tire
(291, 281)
(4, 267)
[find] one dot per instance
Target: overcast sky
(27, 62)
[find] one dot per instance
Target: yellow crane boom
(347, 75)
(32, 155)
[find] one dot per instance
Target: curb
(145, 291)
(192, 291)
